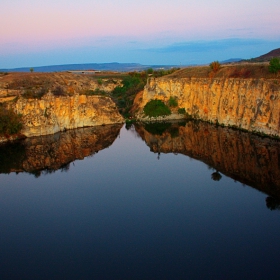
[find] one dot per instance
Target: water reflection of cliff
(49, 153)
(242, 156)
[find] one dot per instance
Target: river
(147, 201)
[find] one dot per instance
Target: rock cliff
(251, 104)
(52, 114)
(247, 158)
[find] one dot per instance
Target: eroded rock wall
(52, 114)
(251, 104)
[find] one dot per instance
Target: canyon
(246, 97)
(250, 104)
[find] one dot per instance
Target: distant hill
(271, 54)
(267, 56)
(113, 66)
(231, 60)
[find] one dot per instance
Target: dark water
(180, 201)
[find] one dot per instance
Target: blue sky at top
(35, 33)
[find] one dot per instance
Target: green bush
(156, 108)
(10, 122)
(132, 84)
(172, 102)
(274, 65)
(182, 111)
(124, 95)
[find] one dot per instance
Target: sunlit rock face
(52, 152)
(251, 104)
(242, 156)
(52, 114)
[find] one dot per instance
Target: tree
(215, 66)
(10, 122)
(274, 65)
(31, 70)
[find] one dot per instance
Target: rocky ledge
(52, 114)
(250, 104)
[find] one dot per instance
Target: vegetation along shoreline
(242, 96)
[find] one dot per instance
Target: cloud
(208, 46)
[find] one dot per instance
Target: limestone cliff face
(247, 158)
(251, 104)
(52, 152)
(52, 114)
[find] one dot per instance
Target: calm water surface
(113, 203)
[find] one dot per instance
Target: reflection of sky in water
(122, 213)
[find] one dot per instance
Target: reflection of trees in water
(132, 130)
(65, 167)
(216, 176)
(38, 173)
(11, 156)
(128, 125)
(272, 203)
(157, 128)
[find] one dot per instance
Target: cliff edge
(51, 114)
(252, 104)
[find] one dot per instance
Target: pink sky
(46, 26)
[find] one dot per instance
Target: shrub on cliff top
(156, 108)
(10, 122)
(215, 66)
(274, 65)
(58, 91)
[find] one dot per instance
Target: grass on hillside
(241, 70)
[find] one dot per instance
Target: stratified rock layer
(52, 114)
(251, 104)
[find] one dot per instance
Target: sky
(173, 32)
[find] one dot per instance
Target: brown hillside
(35, 85)
(238, 70)
(268, 56)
